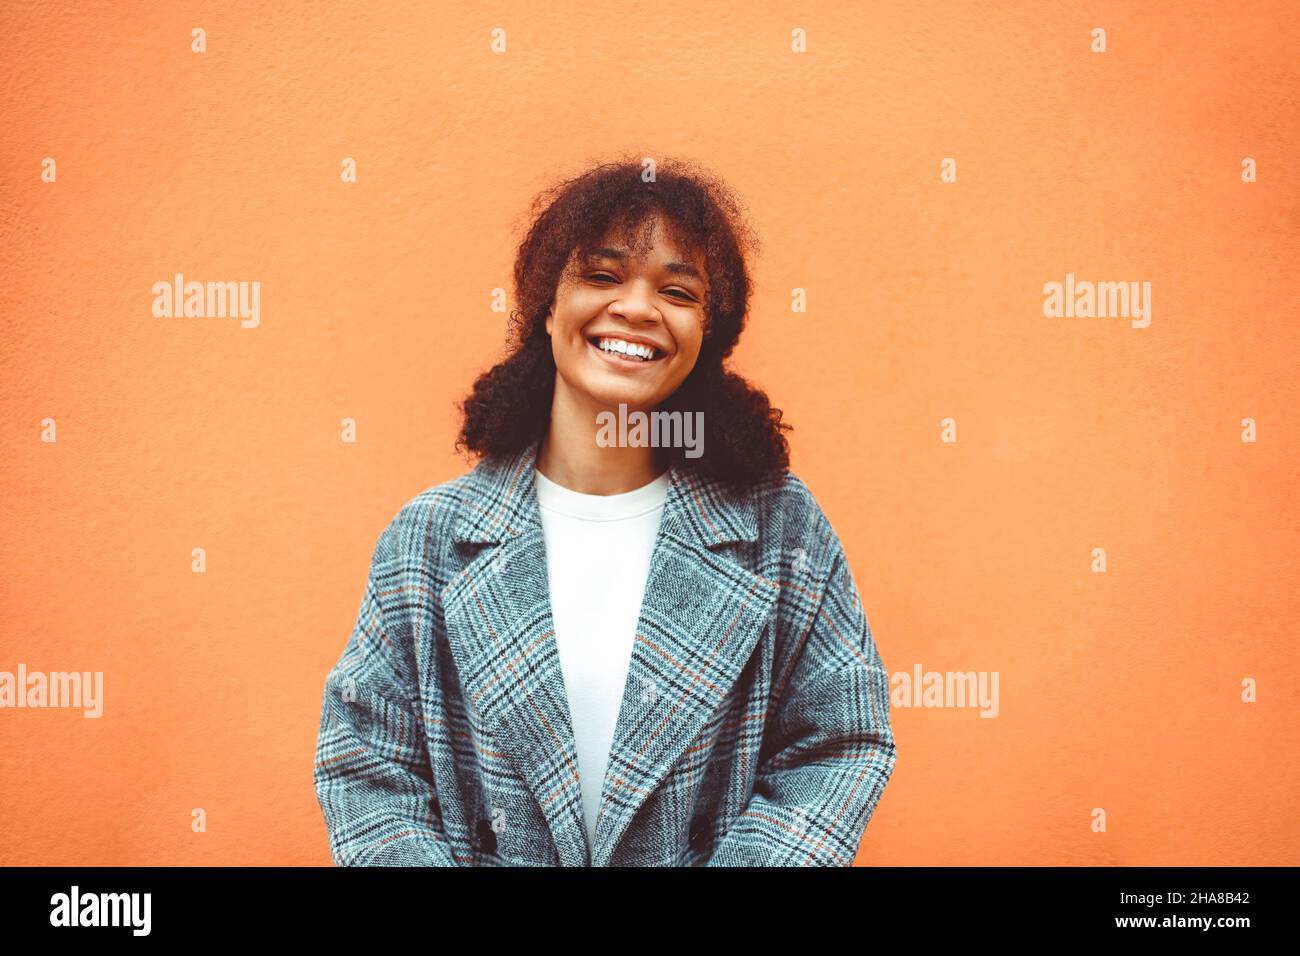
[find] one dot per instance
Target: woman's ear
(550, 320)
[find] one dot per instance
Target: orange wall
(1119, 690)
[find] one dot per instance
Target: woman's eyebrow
(684, 269)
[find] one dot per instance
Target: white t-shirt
(598, 550)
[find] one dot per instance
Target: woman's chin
(612, 398)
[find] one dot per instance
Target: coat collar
(699, 622)
(503, 505)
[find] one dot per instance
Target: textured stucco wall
(1119, 691)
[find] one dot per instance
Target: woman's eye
(680, 294)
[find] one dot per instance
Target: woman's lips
(621, 363)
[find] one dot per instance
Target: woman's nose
(635, 305)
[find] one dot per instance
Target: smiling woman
(660, 263)
(596, 653)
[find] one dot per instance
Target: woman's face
(625, 303)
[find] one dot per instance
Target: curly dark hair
(510, 404)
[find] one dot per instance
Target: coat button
(699, 831)
(487, 838)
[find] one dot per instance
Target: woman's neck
(570, 456)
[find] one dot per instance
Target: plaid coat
(754, 726)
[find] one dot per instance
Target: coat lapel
(499, 628)
(699, 621)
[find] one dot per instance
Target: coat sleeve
(832, 749)
(373, 779)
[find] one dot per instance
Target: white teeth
(630, 349)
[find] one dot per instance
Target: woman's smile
(626, 355)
